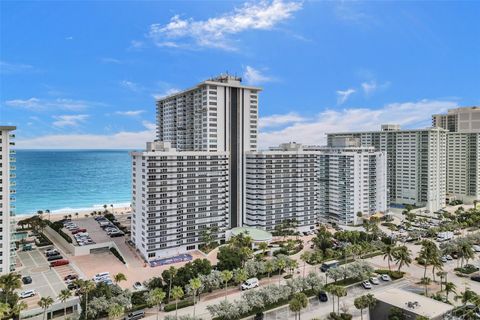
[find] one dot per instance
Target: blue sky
(86, 74)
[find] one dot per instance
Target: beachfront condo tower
(416, 163)
(463, 152)
(7, 199)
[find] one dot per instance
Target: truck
(444, 236)
(329, 264)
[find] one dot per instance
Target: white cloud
(119, 140)
(371, 86)
(278, 120)
(166, 93)
(111, 60)
(69, 120)
(132, 86)
(343, 95)
(254, 76)
(136, 44)
(37, 104)
(10, 68)
(130, 113)
(69, 38)
(215, 32)
(408, 114)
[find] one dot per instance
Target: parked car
(71, 277)
(79, 230)
(475, 277)
(53, 258)
(250, 284)
(27, 294)
(139, 286)
(48, 251)
(367, 285)
(139, 314)
(476, 248)
(27, 280)
(449, 257)
(72, 286)
(52, 253)
(374, 280)
(322, 296)
(471, 266)
(386, 277)
(58, 263)
(444, 259)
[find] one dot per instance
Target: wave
(82, 209)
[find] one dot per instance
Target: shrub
(42, 240)
(467, 269)
(117, 254)
(370, 255)
(57, 226)
(181, 304)
(341, 316)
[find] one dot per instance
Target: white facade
(416, 163)
(176, 195)
(217, 115)
(282, 184)
(7, 196)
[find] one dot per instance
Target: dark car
(53, 258)
(476, 277)
(72, 286)
(52, 253)
(139, 314)
(71, 277)
(322, 296)
(27, 280)
(259, 316)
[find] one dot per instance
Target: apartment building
(175, 196)
(7, 199)
(217, 115)
(463, 152)
(282, 183)
(351, 179)
(416, 163)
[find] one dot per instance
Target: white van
(250, 284)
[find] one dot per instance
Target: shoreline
(60, 213)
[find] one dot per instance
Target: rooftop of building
(7, 128)
(389, 128)
(459, 110)
(257, 235)
(413, 302)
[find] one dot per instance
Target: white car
(476, 248)
(250, 284)
(367, 285)
(27, 294)
(444, 259)
(386, 277)
(449, 257)
(139, 286)
(374, 280)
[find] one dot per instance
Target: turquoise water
(71, 179)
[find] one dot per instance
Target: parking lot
(97, 234)
(46, 281)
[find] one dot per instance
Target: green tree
(450, 287)
(263, 246)
(119, 277)
(18, 308)
(156, 297)
(4, 309)
(85, 287)
(64, 295)
(177, 294)
(269, 267)
(387, 251)
(115, 311)
(402, 256)
(240, 276)
(195, 285)
(361, 303)
(170, 273)
(281, 264)
(45, 303)
(298, 302)
(226, 276)
(305, 256)
(9, 283)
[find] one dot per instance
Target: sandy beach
(60, 214)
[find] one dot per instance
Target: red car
(58, 263)
(78, 231)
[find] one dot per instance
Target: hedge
(393, 274)
(42, 241)
(341, 316)
(181, 304)
(57, 226)
(370, 255)
(117, 254)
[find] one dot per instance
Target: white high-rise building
(416, 163)
(463, 152)
(7, 196)
(281, 184)
(217, 115)
(175, 196)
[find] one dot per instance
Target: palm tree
(269, 267)
(340, 292)
(86, 286)
(306, 256)
(9, 283)
(119, 277)
(466, 251)
(195, 285)
(115, 310)
(298, 302)
(172, 271)
(292, 265)
(45, 303)
(105, 207)
(467, 296)
(76, 215)
(156, 296)
(295, 306)
(64, 295)
(361, 303)
(332, 289)
(226, 276)
(177, 294)
(441, 274)
(18, 308)
(4, 309)
(263, 246)
(281, 264)
(402, 256)
(450, 287)
(240, 275)
(387, 251)
(111, 206)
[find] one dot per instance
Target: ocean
(60, 180)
